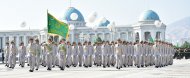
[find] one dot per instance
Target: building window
(123, 36)
(158, 34)
(7, 39)
(147, 36)
(137, 37)
(107, 37)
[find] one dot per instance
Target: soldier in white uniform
(142, 54)
(131, 53)
(124, 55)
(22, 54)
(69, 53)
(127, 53)
(85, 48)
(98, 54)
(43, 55)
(12, 55)
(75, 54)
(38, 54)
(104, 54)
(167, 54)
(161, 53)
(62, 54)
(119, 54)
(147, 53)
(54, 54)
(109, 53)
(7, 50)
(31, 49)
(80, 54)
(172, 52)
(137, 54)
(157, 54)
(49, 50)
(152, 62)
(90, 54)
(112, 54)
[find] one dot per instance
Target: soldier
(6, 50)
(38, 53)
(109, 53)
(95, 53)
(22, 54)
(91, 52)
(69, 53)
(31, 49)
(172, 52)
(85, 48)
(147, 53)
(157, 55)
(162, 54)
(119, 54)
(104, 54)
(142, 54)
(12, 55)
(49, 50)
(167, 54)
(112, 54)
(75, 54)
(62, 54)
(125, 49)
(152, 62)
(137, 54)
(98, 54)
(80, 55)
(54, 54)
(131, 53)
(43, 54)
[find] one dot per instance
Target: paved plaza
(180, 69)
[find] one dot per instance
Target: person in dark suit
(2, 58)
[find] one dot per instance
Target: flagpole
(47, 26)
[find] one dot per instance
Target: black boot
(31, 70)
(61, 68)
(138, 66)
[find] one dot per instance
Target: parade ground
(180, 69)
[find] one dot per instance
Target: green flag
(151, 40)
(57, 27)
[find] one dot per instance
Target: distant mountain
(179, 30)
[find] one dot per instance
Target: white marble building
(143, 30)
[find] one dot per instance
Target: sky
(122, 12)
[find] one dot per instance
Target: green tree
(185, 45)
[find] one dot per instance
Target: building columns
(103, 36)
(3, 41)
(24, 40)
(17, 41)
(127, 36)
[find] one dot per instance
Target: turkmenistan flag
(151, 40)
(57, 27)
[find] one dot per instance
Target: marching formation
(118, 54)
